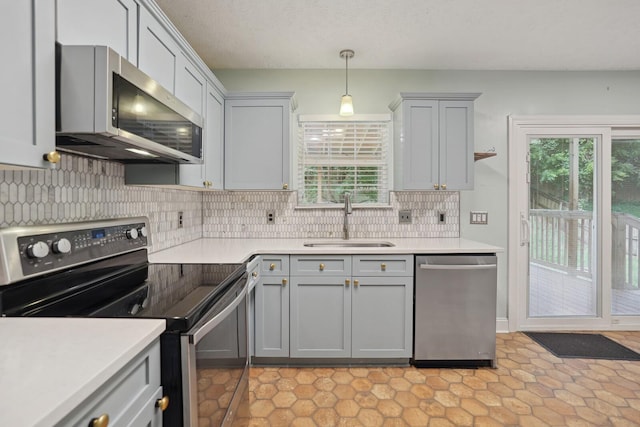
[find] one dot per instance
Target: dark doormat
(584, 346)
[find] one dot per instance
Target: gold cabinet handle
(284, 281)
(383, 267)
(321, 266)
(52, 157)
(347, 282)
(163, 403)
(254, 274)
(272, 266)
(443, 186)
(285, 186)
(101, 421)
(356, 282)
(435, 186)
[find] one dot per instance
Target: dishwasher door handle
(457, 266)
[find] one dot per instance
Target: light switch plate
(479, 217)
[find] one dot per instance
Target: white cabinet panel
(112, 23)
(27, 115)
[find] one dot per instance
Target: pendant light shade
(346, 106)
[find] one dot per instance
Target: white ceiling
(412, 34)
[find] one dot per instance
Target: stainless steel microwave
(107, 108)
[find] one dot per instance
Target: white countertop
(50, 366)
(223, 251)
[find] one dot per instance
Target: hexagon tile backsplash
(83, 189)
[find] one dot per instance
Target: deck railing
(564, 240)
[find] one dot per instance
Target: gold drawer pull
(321, 267)
(435, 186)
(272, 266)
(101, 421)
(254, 274)
(54, 157)
(443, 186)
(356, 282)
(284, 281)
(347, 282)
(163, 403)
(285, 186)
(383, 267)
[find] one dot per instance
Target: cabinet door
(272, 317)
(382, 315)
(456, 145)
(158, 52)
(421, 150)
(27, 115)
(256, 144)
(112, 23)
(320, 317)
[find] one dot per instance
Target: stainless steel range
(101, 269)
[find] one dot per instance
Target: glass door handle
(524, 229)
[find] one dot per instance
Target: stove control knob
(142, 231)
(135, 308)
(37, 250)
(132, 234)
(62, 246)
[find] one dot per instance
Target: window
(338, 156)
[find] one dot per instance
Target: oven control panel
(48, 248)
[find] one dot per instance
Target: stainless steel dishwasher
(455, 310)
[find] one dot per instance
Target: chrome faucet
(347, 211)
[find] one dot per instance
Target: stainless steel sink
(348, 244)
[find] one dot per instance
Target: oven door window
(221, 359)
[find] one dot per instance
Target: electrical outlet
(479, 217)
(442, 217)
(404, 216)
(180, 220)
(271, 217)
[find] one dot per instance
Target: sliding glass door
(625, 230)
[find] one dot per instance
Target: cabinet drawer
(125, 394)
(321, 265)
(274, 265)
(383, 265)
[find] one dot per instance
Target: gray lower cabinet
(128, 398)
(382, 316)
(320, 316)
(271, 311)
(358, 306)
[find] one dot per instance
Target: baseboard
(502, 325)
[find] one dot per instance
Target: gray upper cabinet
(256, 142)
(112, 23)
(433, 141)
(27, 117)
(158, 53)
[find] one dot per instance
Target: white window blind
(337, 157)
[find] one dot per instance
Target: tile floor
(530, 387)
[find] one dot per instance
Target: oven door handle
(202, 331)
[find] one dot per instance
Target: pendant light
(346, 106)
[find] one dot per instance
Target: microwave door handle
(217, 319)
